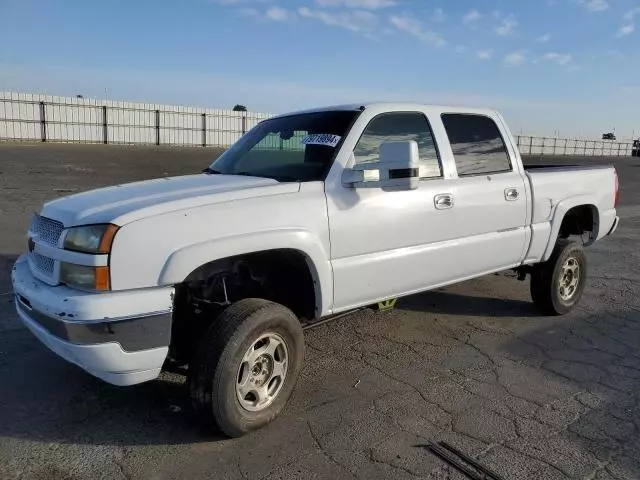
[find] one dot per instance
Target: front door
(386, 243)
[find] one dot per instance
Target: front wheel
(246, 366)
(558, 283)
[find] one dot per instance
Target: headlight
(91, 278)
(90, 239)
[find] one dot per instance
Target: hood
(126, 203)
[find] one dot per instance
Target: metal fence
(29, 117)
(63, 119)
(565, 146)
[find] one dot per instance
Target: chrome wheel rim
(262, 372)
(569, 279)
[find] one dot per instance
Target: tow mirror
(397, 169)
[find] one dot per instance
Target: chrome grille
(46, 230)
(44, 264)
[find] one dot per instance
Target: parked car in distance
(308, 215)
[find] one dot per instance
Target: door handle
(511, 194)
(443, 201)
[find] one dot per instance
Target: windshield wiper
(211, 171)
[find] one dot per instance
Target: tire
(554, 290)
(233, 357)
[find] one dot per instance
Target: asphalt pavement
(532, 397)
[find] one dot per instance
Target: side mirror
(398, 168)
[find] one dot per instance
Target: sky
(554, 67)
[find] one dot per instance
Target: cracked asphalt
(532, 397)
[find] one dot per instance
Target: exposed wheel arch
(580, 220)
(290, 266)
(184, 261)
(284, 276)
(573, 217)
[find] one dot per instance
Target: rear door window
(478, 146)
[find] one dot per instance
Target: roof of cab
(392, 106)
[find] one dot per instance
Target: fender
(559, 213)
(185, 260)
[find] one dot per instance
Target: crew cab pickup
(308, 215)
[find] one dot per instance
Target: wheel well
(578, 221)
(283, 276)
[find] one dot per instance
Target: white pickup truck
(308, 215)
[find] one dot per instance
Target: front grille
(44, 264)
(46, 230)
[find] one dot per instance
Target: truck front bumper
(121, 337)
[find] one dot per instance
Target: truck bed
(552, 184)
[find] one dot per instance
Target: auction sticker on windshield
(326, 139)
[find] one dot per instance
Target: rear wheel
(246, 366)
(557, 284)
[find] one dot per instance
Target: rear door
(488, 201)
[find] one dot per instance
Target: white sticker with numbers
(326, 139)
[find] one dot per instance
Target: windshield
(292, 148)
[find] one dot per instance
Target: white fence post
(43, 122)
(204, 129)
